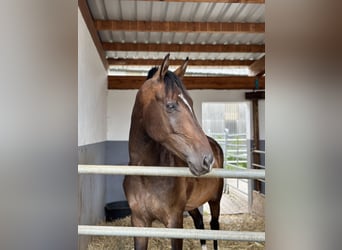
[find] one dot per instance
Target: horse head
(169, 119)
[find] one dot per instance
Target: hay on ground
(236, 222)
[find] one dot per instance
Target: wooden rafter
(255, 95)
(220, 48)
(153, 62)
(225, 82)
(258, 67)
(156, 26)
(83, 6)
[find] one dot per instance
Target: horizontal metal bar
(222, 134)
(234, 150)
(261, 180)
(237, 153)
(236, 145)
(171, 233)
(259, 151)
(235, 162)
(169, 171)
(231, 139)
(237, 141)
(258, 165)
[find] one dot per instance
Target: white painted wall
(92, 125)
(119, 110)
(92, 89)
(120, 104)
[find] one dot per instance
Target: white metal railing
(258, 165)
(175, 233)
(259, 151)
(169, 171)
(170, 232)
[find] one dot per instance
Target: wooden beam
(258, 67)
(154, 62)
(212, 1)
(257, 95)
(83, 6)
(157, 26)
(220, 48)
(224, 82)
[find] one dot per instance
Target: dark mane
(151, 72)
(171, 81)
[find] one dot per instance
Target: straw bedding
(235, 222)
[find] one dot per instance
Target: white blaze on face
(185, 101)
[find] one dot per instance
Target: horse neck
(141, 146)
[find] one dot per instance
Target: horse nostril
(208, 160)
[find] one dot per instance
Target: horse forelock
(171, 81)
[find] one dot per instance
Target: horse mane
(151, 72)
(171, 81)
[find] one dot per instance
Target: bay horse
(165, 132)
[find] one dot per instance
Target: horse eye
(171, 106)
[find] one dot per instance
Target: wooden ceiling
(256, 67)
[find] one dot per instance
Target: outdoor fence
(234, 147)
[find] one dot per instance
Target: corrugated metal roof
(176, 11)
(179, 12)
(183, 55)
(181, 37)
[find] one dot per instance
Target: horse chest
(157, 191)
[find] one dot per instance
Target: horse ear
(180, 71)
(164, 67)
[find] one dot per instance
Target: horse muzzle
(201, 166)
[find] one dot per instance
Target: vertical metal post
(250, 181)
(226, 185)
(226, 131)
(256, 157)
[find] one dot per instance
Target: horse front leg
(197, 217)
(215, 213)
(140, 243)
(176, 222)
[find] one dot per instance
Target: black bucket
(117, 210)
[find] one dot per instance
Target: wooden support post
(256, 143)
(255, 97)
